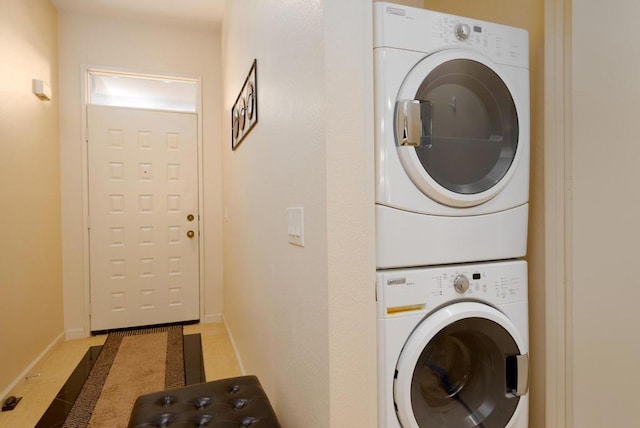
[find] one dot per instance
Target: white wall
(303, 319)
(605, 224)
(149, 48)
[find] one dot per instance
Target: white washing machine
(451, 138)
(453, 346)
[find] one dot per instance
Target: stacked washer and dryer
(452, 190)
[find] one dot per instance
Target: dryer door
(463, 366)
(456, 128)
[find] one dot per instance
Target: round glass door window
(462, 377)
(469, 126)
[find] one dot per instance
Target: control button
(462, 31)
(461, 283)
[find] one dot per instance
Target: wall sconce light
(41, 89)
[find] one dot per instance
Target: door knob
(190, 234)
(190, 217)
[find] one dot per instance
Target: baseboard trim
(212, 319)
(75, 333)
(235, 348)
(21, 377)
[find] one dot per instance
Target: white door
(143, 217)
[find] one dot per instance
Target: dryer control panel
(424, 289)
(422, 30)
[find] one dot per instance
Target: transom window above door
(142, 91)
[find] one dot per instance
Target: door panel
(457, 128)
(143, 187)
(459, 368)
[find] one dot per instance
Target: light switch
(295, 225)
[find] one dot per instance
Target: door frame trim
(84, 75)
(558, 214)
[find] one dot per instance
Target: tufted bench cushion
(238, 402)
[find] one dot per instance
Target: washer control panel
(428, 288)
(461, 283)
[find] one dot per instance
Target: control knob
(462, 31)
(461, 283)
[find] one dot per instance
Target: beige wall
(145, 47)
(412, 3)
(604, 230)
(303, 319)
(528, 14)
(30, 262)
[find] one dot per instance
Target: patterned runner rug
(131, 363)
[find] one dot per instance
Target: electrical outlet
(295, 225)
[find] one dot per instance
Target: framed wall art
(244, 113)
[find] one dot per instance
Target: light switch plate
(295, 225)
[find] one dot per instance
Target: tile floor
(39, 390)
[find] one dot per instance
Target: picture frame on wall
(244, 113)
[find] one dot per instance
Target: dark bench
(233, 402)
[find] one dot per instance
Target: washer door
(463, 366)
(456, 128)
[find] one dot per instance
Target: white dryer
(453, 346)
(451, 138)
